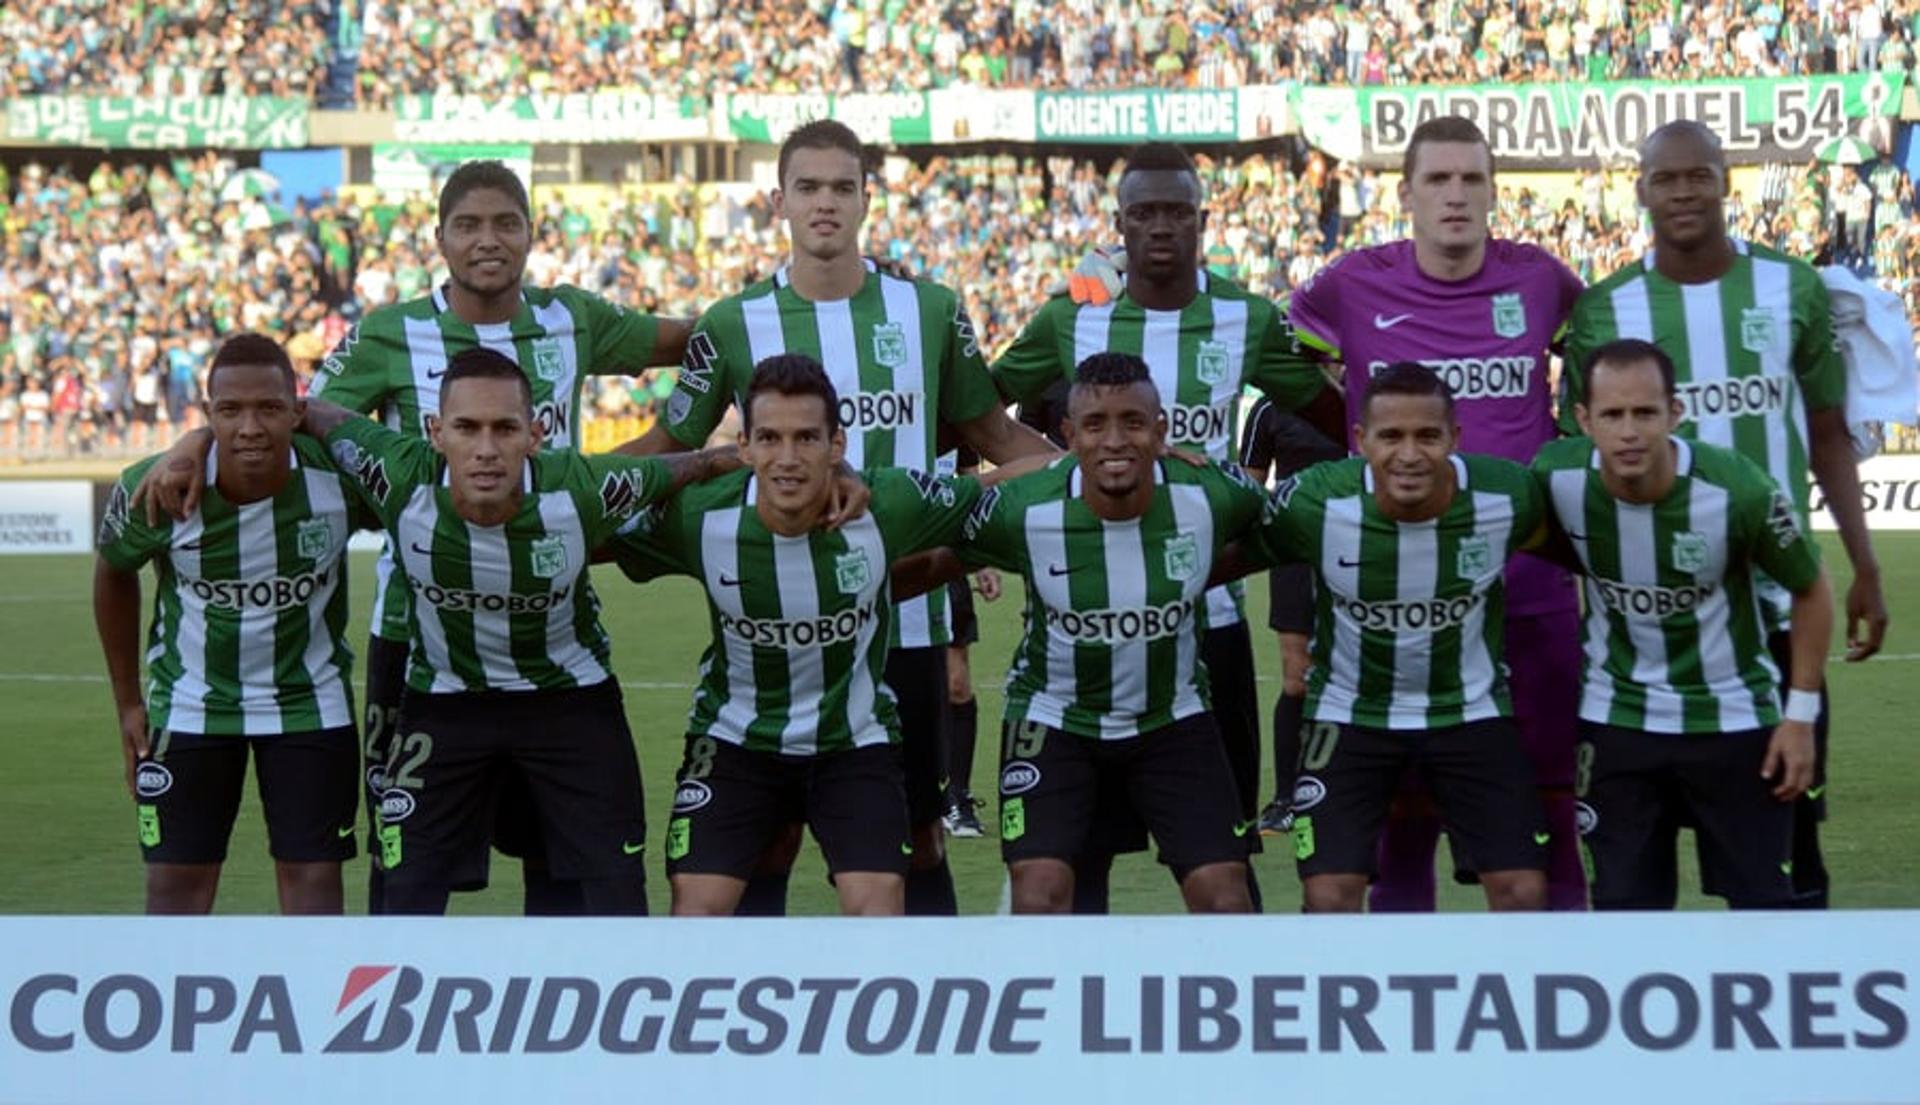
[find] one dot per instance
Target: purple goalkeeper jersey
(1486, 335)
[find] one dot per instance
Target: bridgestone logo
(880, 410)
(1733, 398)
(1112, 627)
(461, 600)
(820, 632)
(1423, 616)
(1644, 601)
(1479, 377)
(278, 593)
(1198, 423)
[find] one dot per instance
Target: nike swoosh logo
(1542, 838)
(1056, 570)
(436, 373)
(421, 551)
(344, 831)
(1242, 827)
(194, 545)
(725, 582)
(1382, 322)
(633, 849)
(1816, 792)
(1345, 563)
(906, 848)
(1786, 868)
(1576, 536)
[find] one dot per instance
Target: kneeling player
(1107, 689)
(792, 721)
(510, 667)
(1680, 722)
(247, 649)
(1409, 541)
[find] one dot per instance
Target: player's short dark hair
(1407, 378)
(821, 134)
(481, 363)
(475, 175)
(1691, 128)
(1149, 157)
(1111, 370)
(791, 374)
(1444, 128)
(249, 348)
(1622, 352)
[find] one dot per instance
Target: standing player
(903, 358)
(1107, 690)
(1751, 337)
(963, 710)
(1278, 445)
(1680, 720)
(394, 362)
(1205, 341)
(1482, 313)
(509, 665)
(791, 721)
(247, 650)
(1409, 542)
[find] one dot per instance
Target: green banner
(424, 168)
(1557, 126)
(160, 122)
(1122, 118)
(579, 118)
(885, 118)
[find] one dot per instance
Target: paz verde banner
(586, 117)
(1122, 118)
(1548, 126)
(160, 122)
(885, 118)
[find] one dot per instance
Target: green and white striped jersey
(1409, 617)
(391, 363)
(1752, 352)
(799, 623)
(1676, 641)
(1114, 611)
(1202, 358)
(901, 354)
(507, 607)
(250, 612)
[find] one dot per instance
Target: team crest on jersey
(890, 345)
(549, 363)
(1689, 552)
(1509, 315)
(679, 405)
(549, 556)
(1182, 557)
(1757, 333)
(1212, 363)
(313, 538)
(851, 573)
(1475, 557)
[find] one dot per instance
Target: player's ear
(433, 430)
(1581, 417)
(837, 445)
(1676, 413)
(779, 198)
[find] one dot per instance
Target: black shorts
(966, 621)
(1053, 784)
(1290, 598)
(730, 803)
(918, 679)
(1635, 788)
(189, 792)
(1479, 775)
(572, 747)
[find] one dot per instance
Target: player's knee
(871, 894)
(181, 888)
(1045, 886)
(1334, 893)
(1217, 888)
(309, 889)
(1515, 891)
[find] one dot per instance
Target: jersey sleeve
(1530, 510)
(1284, 373)
(704, 387)
(1772, 535)
(648, 545)
(918, 511)
(623, 341)
(1816, 360)
(611, 489)
(126, 541)
(966, 388)
(1314, 313)
(358, 373)
(383, 465)
(1031, 364)
(1256, 439)
(1238, 502)
(1581, 340)
(986, 536)
(1285, 531)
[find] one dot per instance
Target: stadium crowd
(697, 47)
(93, 360)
